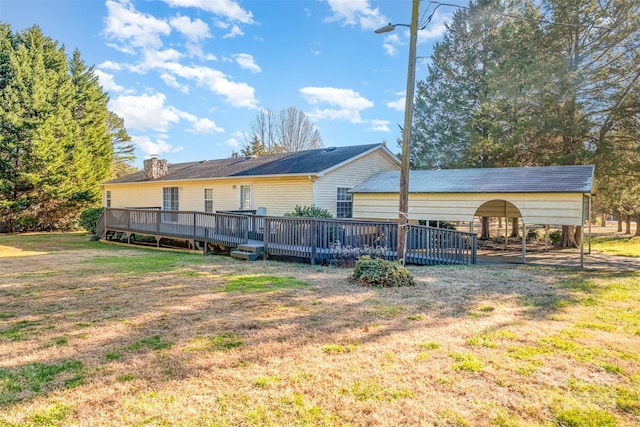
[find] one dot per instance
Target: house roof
(313, 162)
(537, 179)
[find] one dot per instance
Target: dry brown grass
(163, 341)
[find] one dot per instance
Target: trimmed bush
(555, 237)
(89, 219)
(532, 235)
(381, 273)
(309, 212)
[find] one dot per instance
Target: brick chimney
(155, 168)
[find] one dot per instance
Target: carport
(546, 195)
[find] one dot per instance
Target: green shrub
(309, 212)
(442, 224)
(532, 235)
(381, 273)
(89, 219)
(555, 237)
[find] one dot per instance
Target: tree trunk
(568, 237)
(637, 225)
(603, 220)
(619, 225)
(484, 235)
(514, 228)
(577, 236)
(628, 225)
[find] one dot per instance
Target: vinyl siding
(350, 175)
(277, 195)
(536, 208)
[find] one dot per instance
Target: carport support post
(582, 237)
(524, 242)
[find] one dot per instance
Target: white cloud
(356, 12)
(205, 126)
(380, 126)
(232, 142)
(154, 59)
(171, 81)
(236, 94)
(110, 65)
(348, 102)
(234, 32)
(195, 30)
(107, 82)
(124, 24)
(146, 112)
(149, 147)
(228, 9)
(247, 62)
(398, 104)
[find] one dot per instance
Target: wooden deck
(316, 240)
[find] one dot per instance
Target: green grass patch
(482, 341)
(337, 348)
(260, 283)
(51, 242)
(628, 401)
(583, 417)
(371, 390)
(126, 378)
(265, 381)
(56, 414)
(57, 342)
(112, 355)
(154, 342)
(466, 362)
(430, 346)
(225, 341)
(616, 245)
(32, 379)
(144, 262)
(19, 331)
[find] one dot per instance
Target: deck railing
(310, 238)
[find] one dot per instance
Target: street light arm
(390, 27)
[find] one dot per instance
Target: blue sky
(189, 76)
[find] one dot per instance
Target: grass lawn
(94, 334)
(616, 245)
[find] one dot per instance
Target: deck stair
(248, 251)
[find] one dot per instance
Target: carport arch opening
(499, 208)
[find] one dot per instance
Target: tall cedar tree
(55, 148)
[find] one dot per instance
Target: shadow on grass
(140, 304)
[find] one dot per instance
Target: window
(108, 199)
(245, 197)
(208, 200)
(170, 198)
(344, 203)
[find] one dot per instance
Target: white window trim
(204, 195)
(240, 204)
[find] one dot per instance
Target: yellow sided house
(271, 184)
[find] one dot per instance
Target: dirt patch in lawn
(111, 336)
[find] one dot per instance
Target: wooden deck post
(313, 240)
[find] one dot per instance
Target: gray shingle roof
(301, 162)
(537, 179)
